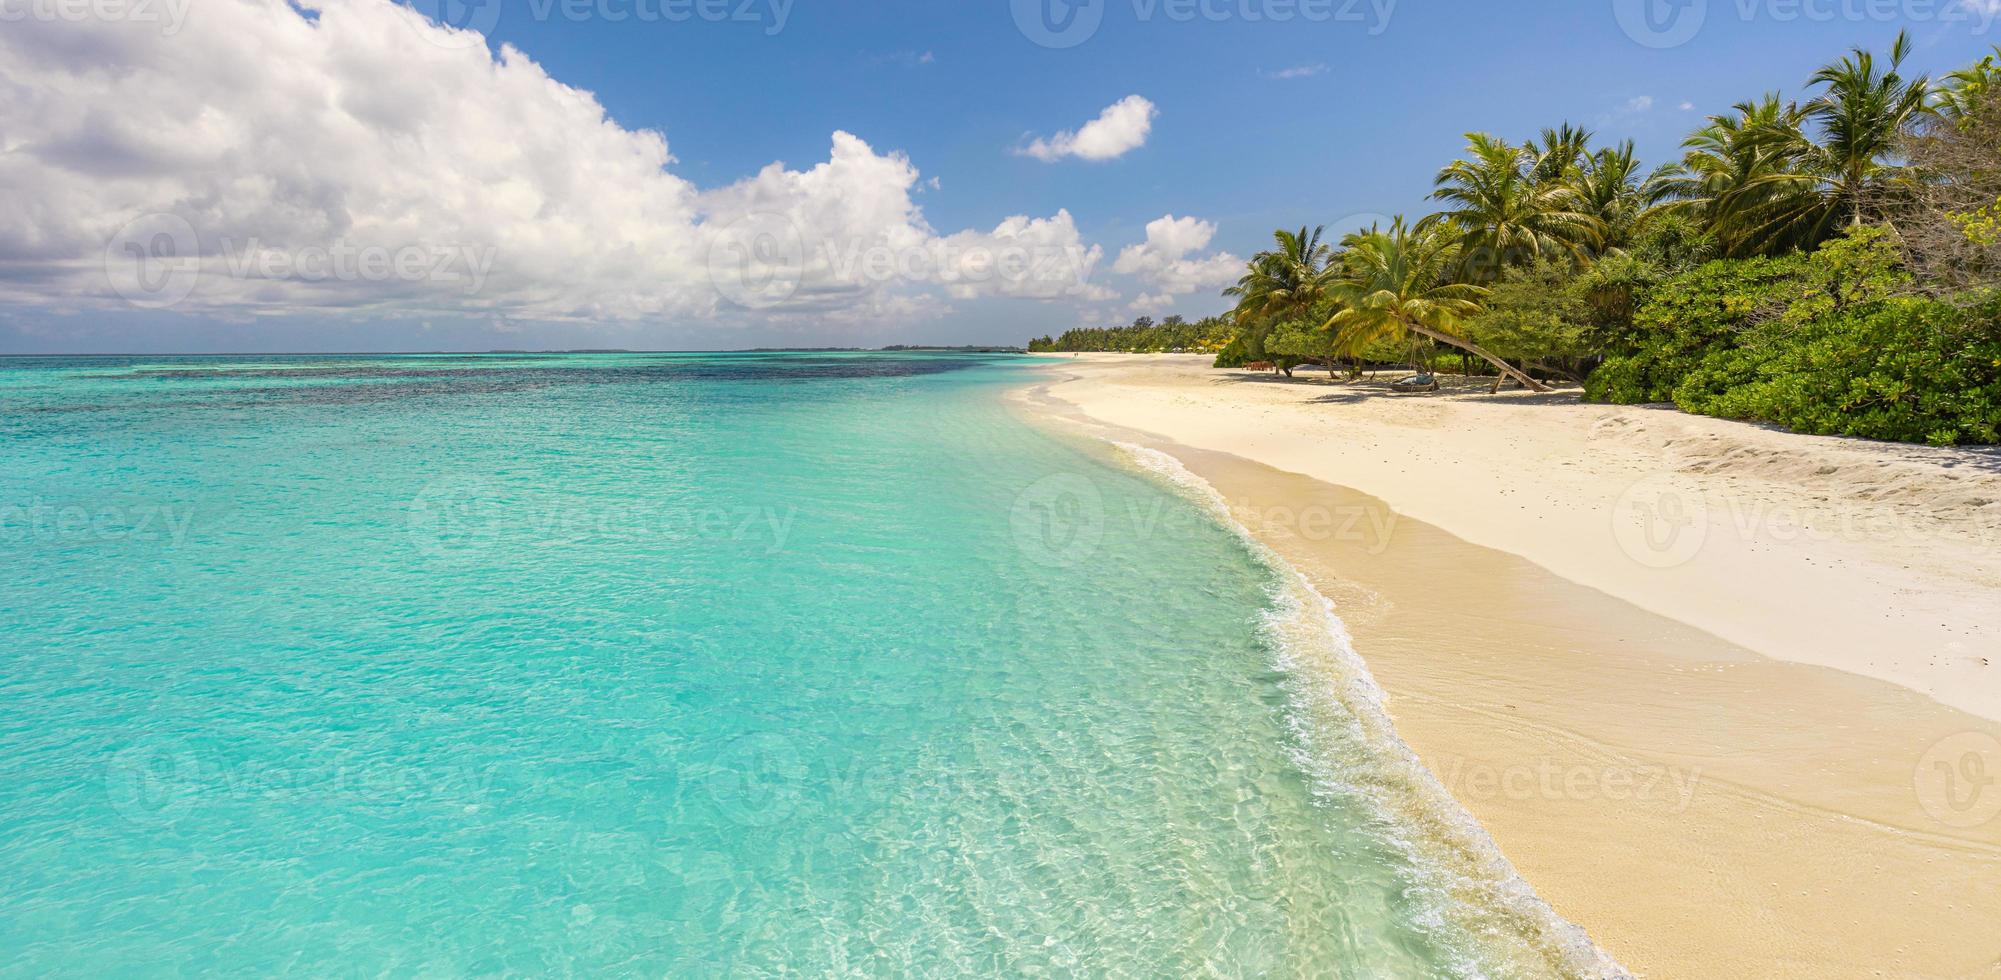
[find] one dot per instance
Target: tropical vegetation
(1830, 264)
(1172, 335)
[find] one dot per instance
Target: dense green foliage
(1908, 368)
(1829, 343)
(1831, 265)
(1678, 324)
(1540, 316)
(1143, 336)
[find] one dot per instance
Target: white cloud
(1047, 256)
(1308, 71)
(1690, 106)
(357, 125)
(1635, 106)
(1165, 264)
(1121, 128)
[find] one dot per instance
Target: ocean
(679, 665)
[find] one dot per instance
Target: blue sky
(1256, 124)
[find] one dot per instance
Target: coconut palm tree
(1959, 95)
(1863, 113)
(1283, 283)
(1396, 283)
(1504, 213)
(1778, 177)
(1734, 177)
(1612, 190)
(1557, 153)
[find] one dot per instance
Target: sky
(349, 175)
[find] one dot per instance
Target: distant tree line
(1143, 336)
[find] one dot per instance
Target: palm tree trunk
(1476, 350)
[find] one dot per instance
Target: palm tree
(1392, 284)
(1729, 179)
(1959, 95)
(1557, 153)
(1611, 189)
(1863, 115)
(1775, 178)
(1284, 283)
(1505, 212)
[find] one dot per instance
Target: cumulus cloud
(1165, 264)
(349, 155)
(1120, 129)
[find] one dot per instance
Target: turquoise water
(687, 665)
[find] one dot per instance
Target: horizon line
(893, 348)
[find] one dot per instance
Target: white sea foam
(1469, 887)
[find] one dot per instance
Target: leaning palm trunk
(1506, 369)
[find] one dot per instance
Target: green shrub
(1681, 321)
(1908, 369)
(1817, 344)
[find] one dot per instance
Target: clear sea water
(674, 665)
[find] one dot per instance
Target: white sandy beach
(1721, 693)
(1878, 559)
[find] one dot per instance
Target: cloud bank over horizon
(349, 158)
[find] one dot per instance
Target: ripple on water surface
(683, 664)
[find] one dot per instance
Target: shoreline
(1693, 803)
(1335, 689)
